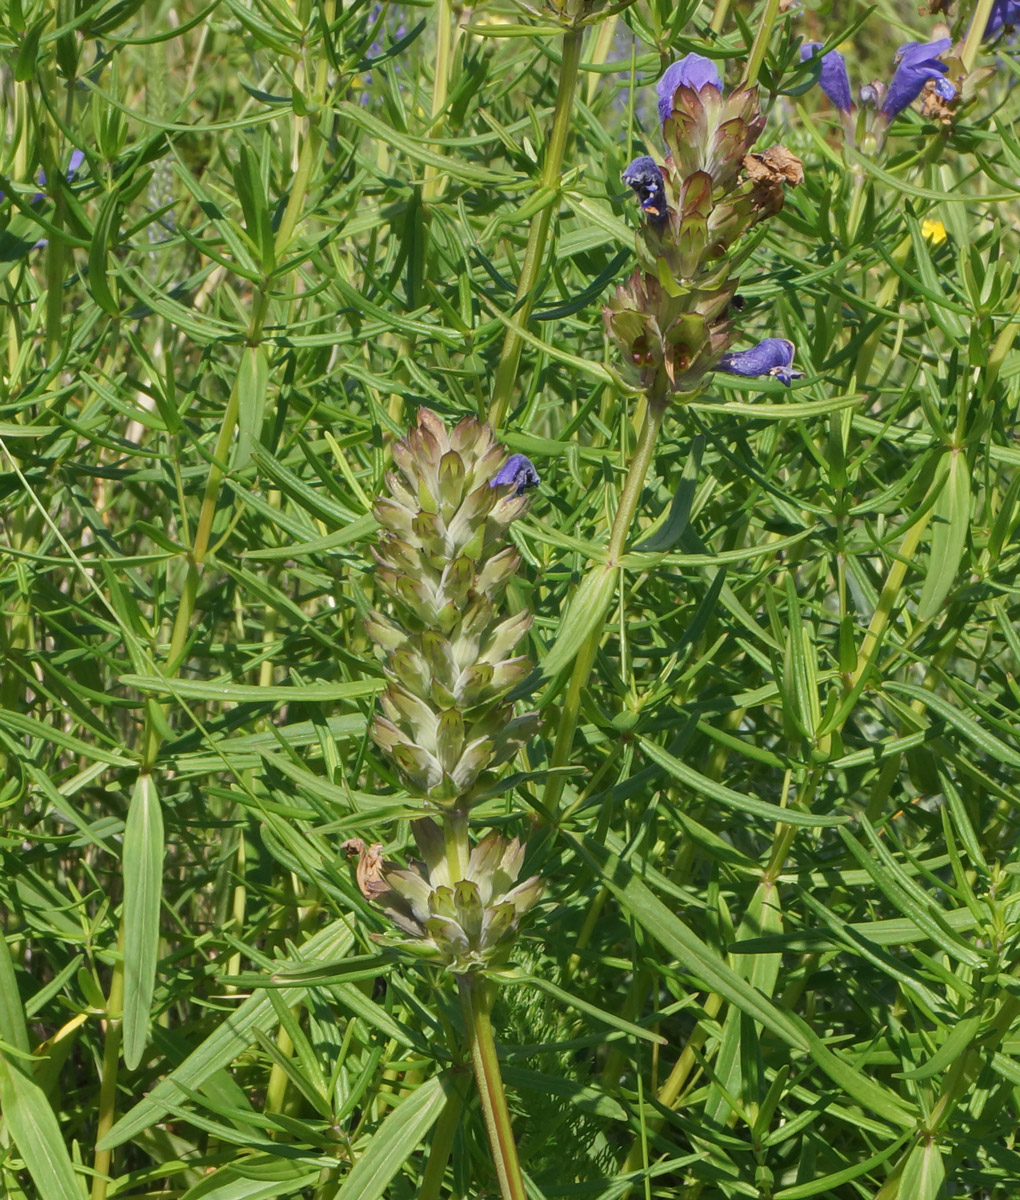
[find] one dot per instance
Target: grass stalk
(634, 483)
(534, 253)
(761, 42)
(975, 33)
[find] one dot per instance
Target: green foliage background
(290, 230)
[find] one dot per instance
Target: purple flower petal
(918, 62)
(1004, 14)
(833, 80)
(694, 72)
(945, 90)
(518, 471)
(645, 177)
(772, 356)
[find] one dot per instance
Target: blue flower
(833, 80)
(519, 472)
(918, 62)
(695, 72)
(772, 356)
(644, 176)
(1004, 14)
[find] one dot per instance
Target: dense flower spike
(833, 79)
(771, 356)
(671, 317)
(443, 558)
(917, 63)
(466, 924)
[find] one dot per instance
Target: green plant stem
(433, 186)
(108, 1079)
(221, 451)
(722, 11)
(441, 1146)
(890, 592)
(959, 1080)
(534, 253)
(622, 522)
(476, 996)
(761, 41)
(972, 43)
(674, 1084)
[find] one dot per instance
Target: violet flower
(772, 356)
(1005, 14)
(695, 72)
(917, 63)
(833, 79)
(518, 471)
(645, 178)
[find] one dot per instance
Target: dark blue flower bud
(694, 72)
(918, 62)
(945, 90)
(644, 176)
(1005, 14)
(833, 79)
(519, 472)
(871, 94)
(772, 356)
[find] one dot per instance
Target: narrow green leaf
(34, 1128)
(143, 893)
(12, 1014)
(963, 724)
(246, 693)
(103, 236)
(827, 1183)
(960, 1037)
(571, 1001)
(583, 619)
(229, 1183)
(951, 524)
(229, 1039)
(394, 1142)
(725, 796)
(252, 387)
(686, 947)
(924, 1175)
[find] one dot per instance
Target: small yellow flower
(934, 231)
